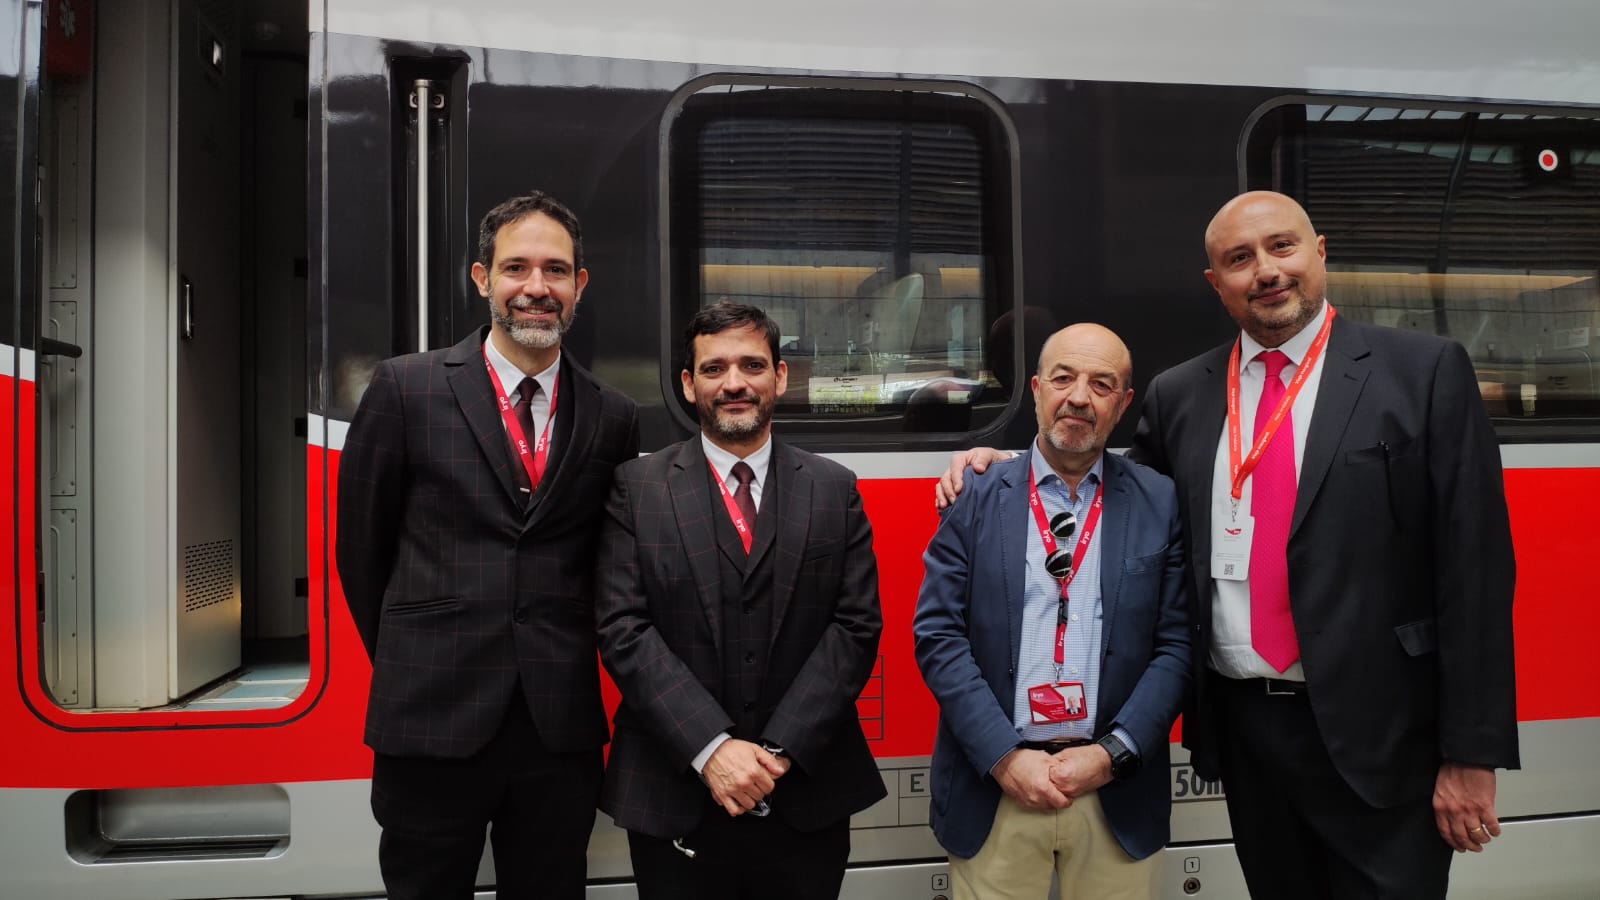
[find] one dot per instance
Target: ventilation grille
(207, 574)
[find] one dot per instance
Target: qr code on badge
(1227, 568)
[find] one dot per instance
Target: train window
(1481, 224)
(873, 223)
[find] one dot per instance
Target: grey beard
(532, 335)
(735, 429)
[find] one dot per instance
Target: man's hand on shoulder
(950, 483)
(741, 774)
(1076, 771)
(1025, 776)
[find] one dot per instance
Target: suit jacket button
(520, 616)
(750, 658)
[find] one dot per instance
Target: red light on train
(1549, 160)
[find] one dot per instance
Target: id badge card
(1057, 701)
(1230, 558)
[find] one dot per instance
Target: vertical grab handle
(186, 309)
(423, 99)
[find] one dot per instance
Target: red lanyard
(739, 523)
(1078, 551)
(1241, 471)
(533, 461)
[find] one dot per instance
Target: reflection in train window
(874, 226)
(1481, 225)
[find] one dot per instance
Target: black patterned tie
(742, 497)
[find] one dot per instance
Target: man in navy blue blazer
(1052, 628)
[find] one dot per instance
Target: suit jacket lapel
(692, 506)
(1016, 528)
(774, 500)
(469, 381)
(791, 485)
(1195, 467)
(1344, 374)
(1116, 517)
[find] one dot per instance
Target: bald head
(1093, 341)
(1251, 205)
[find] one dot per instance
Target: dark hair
(724, 315)
(515, 210)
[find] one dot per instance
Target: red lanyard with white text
(533, 460)
(739, 524)
(1241, 470)
(1078, 552)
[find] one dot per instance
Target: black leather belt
(1272, 687)
(1056, 746)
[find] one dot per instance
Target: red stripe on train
(320, 736)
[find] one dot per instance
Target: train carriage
(223, 214)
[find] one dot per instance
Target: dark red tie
(1272, 495)
(742, 497)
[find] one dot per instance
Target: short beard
(736, 429)
(532, 335)
(1302, 310)
(1063, 443)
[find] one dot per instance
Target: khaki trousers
(1025, 847)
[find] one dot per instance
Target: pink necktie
(1272, 493)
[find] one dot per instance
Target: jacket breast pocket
(1418, 638)
(1383, 451)
(820, 550)
(1138, 565)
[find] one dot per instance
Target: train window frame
(1255, 147)
(844, 98)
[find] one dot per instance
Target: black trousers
(1300, 831)
(742, 858)
(538, 806)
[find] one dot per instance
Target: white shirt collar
(723, 461)
(510, 376)
(1295, 348)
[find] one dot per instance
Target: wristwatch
(1124, 762)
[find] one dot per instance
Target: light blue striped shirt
(1041, 597)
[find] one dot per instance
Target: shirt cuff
(704, 756)
(1126, 739)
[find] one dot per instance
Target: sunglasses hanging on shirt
(1059, 562)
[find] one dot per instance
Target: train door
(170, 323)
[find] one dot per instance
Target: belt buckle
(1272, 693)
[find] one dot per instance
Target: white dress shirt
(1231, 653)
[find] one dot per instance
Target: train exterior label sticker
(1187, 787)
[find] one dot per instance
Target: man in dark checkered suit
(738, 612)
(465, 535)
